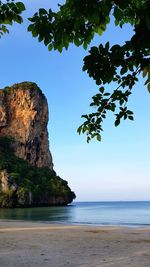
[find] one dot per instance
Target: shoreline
(61, 224)
(35, 244)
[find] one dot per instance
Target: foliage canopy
(77, 22)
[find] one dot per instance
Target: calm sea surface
(89, 213)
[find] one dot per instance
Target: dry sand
(25, 244)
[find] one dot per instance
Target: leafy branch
(77, 22)
(104, 102)
(10, 12)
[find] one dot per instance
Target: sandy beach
(38, 244)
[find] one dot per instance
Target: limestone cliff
(27, 177)
(24, 118)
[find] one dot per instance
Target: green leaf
(7, 21)
(79, 130)
(130, 118)
(46, 41)
(130, 112)
(102, 89)
(98, 137)
(21, 6)
(123, 70)
(106, 94)
(99, 30)
(60, 48)
(117, 14)
(4, 29)
(107, 45)
(85, 45)
(145, 71)
(30, 28)
(34, 32)
(88, 139)
(42, 11)
(50, 47)
(40, 38)
(18, 19)
(117, 122)
(77, 42)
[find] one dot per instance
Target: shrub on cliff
(35, 186)
(8, 199)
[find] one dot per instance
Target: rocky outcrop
(24, 118)
(27, 178)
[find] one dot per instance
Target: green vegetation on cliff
(34, 186)
(23, 85)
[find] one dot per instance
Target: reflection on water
(52, 214)
(97, 213)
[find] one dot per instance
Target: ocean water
(86, 213)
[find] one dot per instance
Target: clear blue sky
(118, 168)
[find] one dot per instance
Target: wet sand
(26, 244)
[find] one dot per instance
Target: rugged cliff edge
(27, 177)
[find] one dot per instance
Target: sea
(120, 213)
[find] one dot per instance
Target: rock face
(24, 118)
(27, 178)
